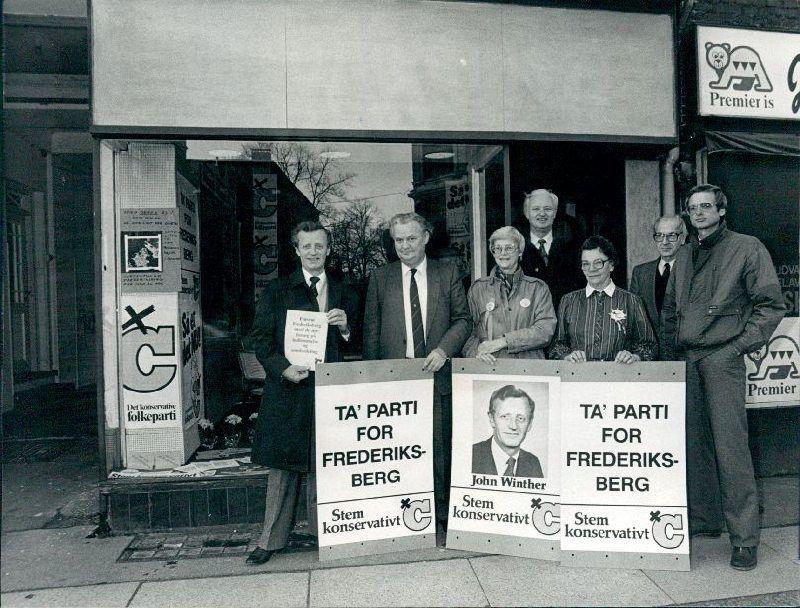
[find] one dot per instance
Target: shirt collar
(609, 289)
(662, 263)
(548, 239)
(322, 277)
(713, 238)
(501, 456)
(422, 267)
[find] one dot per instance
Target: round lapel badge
(489, 306)
(524, 302)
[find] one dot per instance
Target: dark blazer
(562, 273)
(283, 435)
(448, 321)
(643, 284)
(483, 463)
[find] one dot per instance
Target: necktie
(312, 289)
(510, 467)
(543, 251)
(665, 274)
(417, 329)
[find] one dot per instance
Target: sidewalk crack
(477, 578)
(674, 601)
(139, 586)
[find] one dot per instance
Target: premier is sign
(748, 73)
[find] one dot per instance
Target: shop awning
(754, 143)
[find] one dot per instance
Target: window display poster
(150, 250)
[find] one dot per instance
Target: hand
(338, 317)
(576, 356)
(434, 361)
(626, 357)
(491, 346)
(486, 358)
(295, 373)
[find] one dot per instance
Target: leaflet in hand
(305, 337)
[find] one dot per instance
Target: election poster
(150, 250)
(623, 469)
(374, 458)
(504, 494)
(773, 371)
(305, 337)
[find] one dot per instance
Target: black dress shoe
(743, 558)
(259, 556)
(706, 534)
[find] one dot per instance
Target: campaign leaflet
(504, 495)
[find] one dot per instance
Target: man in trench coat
(284, 439)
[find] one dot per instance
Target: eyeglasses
(596, 265)
(670, 237)
(519, 419)
(506, 249)
(700, 206)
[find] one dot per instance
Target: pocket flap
(725, 309)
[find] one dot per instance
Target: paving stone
(443, 583)
(108, 596)
(212, 550)
(783, 598)
(164, 554)
(190, 552)
(785, 541)
(548, 584)
(259, 590)
(711, 576)
(142, 554)
(235, 550)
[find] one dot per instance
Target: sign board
(748, 73)
(150, 251)
(265, 229)
(623, 470)
(458, 219)
(374, 458)
(501, 412)
(773, 371)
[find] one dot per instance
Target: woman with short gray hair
(513, 315)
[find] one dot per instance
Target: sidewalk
(61, 567)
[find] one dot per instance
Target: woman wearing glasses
(513, 315)
(602, 322)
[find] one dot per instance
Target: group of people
(706, 301)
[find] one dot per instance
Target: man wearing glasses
(602, 322)
(649, 280)
(723, 300)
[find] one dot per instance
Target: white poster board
(505, 420)
(623, 469)
(748, 73)
(374, 458)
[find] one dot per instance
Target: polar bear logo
(739, 66)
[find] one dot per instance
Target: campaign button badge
(489, 306)
(524, 302)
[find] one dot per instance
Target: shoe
(743, 558)
(259, 556)
(706, 534)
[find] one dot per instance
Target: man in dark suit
(649, 280)
(552, 245)
(511, 415)
(416, 309)
(284, 438)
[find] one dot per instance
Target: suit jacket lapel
(334, 293)
(433, 295)
(651, 293)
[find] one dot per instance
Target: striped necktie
(509, 472)
(417, 329)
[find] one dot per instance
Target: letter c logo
(161, 343)
(666, 531)
(412, 518)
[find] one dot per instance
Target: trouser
(719, 467)
(442, 449)
(283, 490)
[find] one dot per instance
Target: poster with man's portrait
(504, 495)
(142, 252)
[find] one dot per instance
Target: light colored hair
(510, 233)
(676, 218)
(411, 216)
(537, 193)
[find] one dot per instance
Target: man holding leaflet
(284, 439)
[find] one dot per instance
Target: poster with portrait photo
(142, 252)
(504, 495)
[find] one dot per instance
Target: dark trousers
(442, 450)
(283, 490)
(719, 467)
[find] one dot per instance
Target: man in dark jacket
(416, 309)
(722, 301)
(552, 246)
(510, 416)
(284, 439)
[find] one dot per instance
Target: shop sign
(773, 371)
(748, 73)
(374, 458)
(510, 508)
(458, 214)
(623, 497)
(265, 229)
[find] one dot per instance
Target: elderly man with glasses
(512, 314)
(649, 280)
(723, 300)
(602, 322)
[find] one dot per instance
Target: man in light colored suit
(649, 280)
(416, 309)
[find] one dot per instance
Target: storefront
(218, 125)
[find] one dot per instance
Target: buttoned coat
(283, 437)
(448, 322)
(643, 284)
(525, 317)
